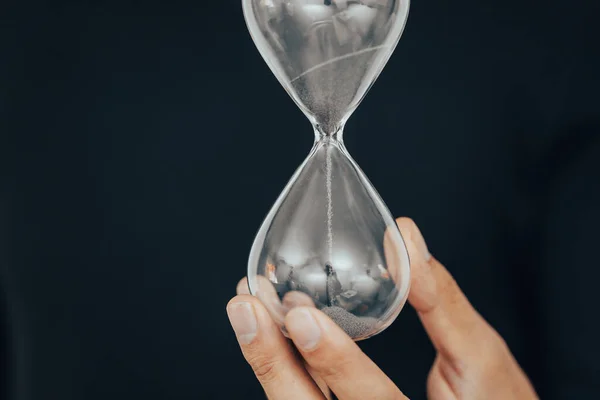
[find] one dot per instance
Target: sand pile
(354, 326)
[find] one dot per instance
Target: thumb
(453, 325)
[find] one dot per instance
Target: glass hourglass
(329, 240)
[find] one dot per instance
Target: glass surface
(329, 241)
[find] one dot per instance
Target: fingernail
(243, 321)
(420, 244)
(303, 329)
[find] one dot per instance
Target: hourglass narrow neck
(336, 136)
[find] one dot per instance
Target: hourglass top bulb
(326, 53)
(329, 241)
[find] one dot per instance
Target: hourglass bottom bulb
(330, 243)
(356, 300)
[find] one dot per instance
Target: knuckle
(265, 368)
(448, 289)
(453, 297)
(498, 355)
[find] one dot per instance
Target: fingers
(242, 287)
(451, 322)
(297, 299)
(290, 300)
(334, 357)
(270, 355)
(269, 296)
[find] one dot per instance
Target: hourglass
(329, 241)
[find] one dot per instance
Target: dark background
(142, 143)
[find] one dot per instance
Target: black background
(142, 143)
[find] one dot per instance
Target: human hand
(472, 362)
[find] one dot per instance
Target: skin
(472, 362)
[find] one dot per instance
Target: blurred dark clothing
(141, 145)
